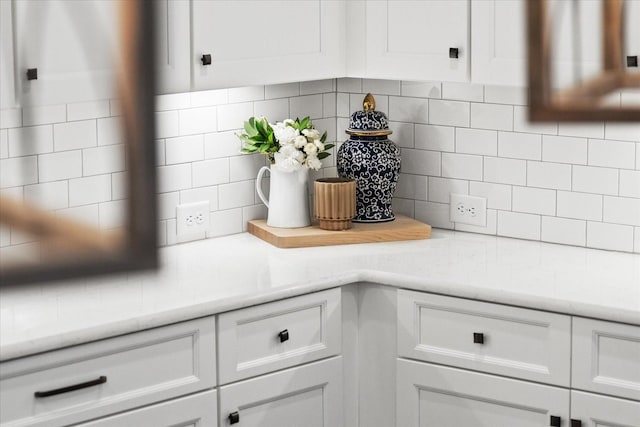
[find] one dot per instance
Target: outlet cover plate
(465, 209)
(192, 218)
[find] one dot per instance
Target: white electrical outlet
(193, 218)
(470, 210)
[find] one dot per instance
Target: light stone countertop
(216, 275)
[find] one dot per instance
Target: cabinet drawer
(193, 411)
(309, 396)
(606, 357)
(601, 411)
(487, 337)
(139, 369)
(250, 342)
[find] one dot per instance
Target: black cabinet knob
(234, 417)
(206, 59)
(284, 335)
(555, 421)
(576, 423)
(632, 61)
(478, 338)
(32, 74)
(453, 52)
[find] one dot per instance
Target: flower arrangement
(290, 144)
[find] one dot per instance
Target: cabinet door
(193, 411)
(260, 42)
(7, 82)
(602, 411)
(307, 396)
(73, 44)
(411, 39)
(437, 396)
(172, 46)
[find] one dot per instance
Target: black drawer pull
(555, 421)
(632, 61)
(234, 417)
(206, 59)
(32, 74)
(284, 335)
(478, 338)
(74, 387)
(576, 423)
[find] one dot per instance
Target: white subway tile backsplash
(622, 131)
(308, 105)
(250, 213)
(477, 141)
(597, 180)
(609, 236)
(85, 191)
(564, 149)
(30, 140)
(233, 116)
(521, 123)
(343, 108)
(411, 187)
(421, 89)
(585, 130)
(42, 115)
(173, 101)
(317, 86)
(490, 228)
(119, 187)
(348, 84)
(621, 210)
(174, 177)
(498, 195)
(448, 113)
(438, 138)
(329, 105)
(111, 132)
(630, 97)
(246, 94)
(221, 144)
(549, 175)
(630, 184)
(167, 124)
(63, 165)
(463, 91)
(284, 90)
(102, 160)
(505, 171)
(402, 134)
(461, 166)
(579, 206)
(161, 152)
(10, 118)
(434, 214)
(167, 204)
(197, 120)
(638, 156)
(184, 149)
(75, 135)
(636, 240)
(48, 196)
(491, 116)
(411, 110)
(209, 98)
(87, 214)
(245, 167)
(441, 188)
(194, 195)
(420, 162)
(113, 214)
(534, 200)
(614, 154)
(505, 95)
(564, 231)
(115, 107)
(275, 110)
(225, 222)
(520, 145)
(210, 172)
(88, 110)
(406, 207)
(381, 87)
(4, 144)
(519, 225)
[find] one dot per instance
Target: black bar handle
(74, 387)
(555, 421)
(284, 335)
(576, 423)
(206, 59)
(478, 338)
(234, 417)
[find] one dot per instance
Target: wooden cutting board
(402, 228)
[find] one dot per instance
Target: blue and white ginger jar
(373, 160)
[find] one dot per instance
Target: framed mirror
(58, 245)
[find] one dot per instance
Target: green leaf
(323, 155)
(323, 138)
(329, 146)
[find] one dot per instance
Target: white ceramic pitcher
(288, 201)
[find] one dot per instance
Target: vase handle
(259, 185)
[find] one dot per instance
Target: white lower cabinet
(592, 410)
(305, 396)
(438, 396)
(192, 411)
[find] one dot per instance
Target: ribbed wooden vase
(334, 202)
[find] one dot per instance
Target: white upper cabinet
(259, 42)
(173, 44)
(413, 40)
(74, 45)
(7, 82)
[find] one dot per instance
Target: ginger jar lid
(368, 121)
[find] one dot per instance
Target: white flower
(284, 134)
(319, 144)
(311, 133)
(313, 163)
(288, 158)
(299, 141)
(310, 149)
